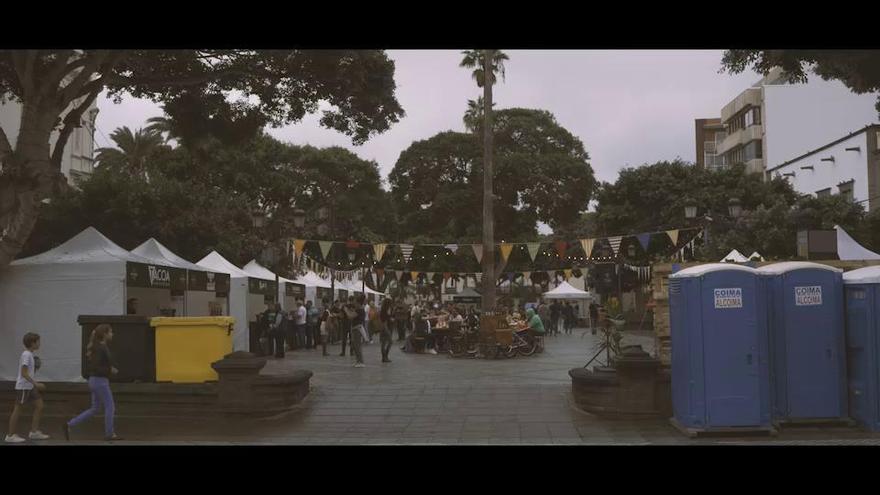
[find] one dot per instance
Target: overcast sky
(628, 107)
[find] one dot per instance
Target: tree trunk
(488, 300)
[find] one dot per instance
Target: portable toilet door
(807, 343)
(862, 290)
(719, 348)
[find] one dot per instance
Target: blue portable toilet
(862, 289)
(807, 341)
(718, 325)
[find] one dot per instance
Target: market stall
(564, 291)
(87, 275)
(206, 292)
(248, 296)
(468, 297)
(289, 291)
(317, 288)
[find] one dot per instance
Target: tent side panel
(238, 294)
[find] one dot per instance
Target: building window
(823, 193)
(846, 190)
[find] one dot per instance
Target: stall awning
(566, 291)
(155, 251)
(850, 250)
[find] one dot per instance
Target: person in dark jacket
(555, 314)
(101, 367)
(386, 321)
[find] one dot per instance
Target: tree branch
(57, 71)
(91, 66)
(5, 147)
(71, 121)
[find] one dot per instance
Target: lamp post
(270, 253)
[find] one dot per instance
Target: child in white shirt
(27, 391)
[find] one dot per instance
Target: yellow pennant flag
(379, 251)
(298, 245)
(567, 272)
(673, 236)
(414, 275)
(588, 244)
(506, 248)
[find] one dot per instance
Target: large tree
(274, 87)
(542, 174)
(132, 151)
(859, 70)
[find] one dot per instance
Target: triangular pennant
(588, 244)
(533, 248)
(527, 276)
(479, 276)
(644, 240)
(673, 236)
(506, 248)
(430, 277)
(379, 251)
(615, 243)
(567, 273)
(478, 252)
(414, 276)
(398, 274)
(452, 247)
(298, 245)
(325, 248)
(379, 273)
(561, 246)
(407, 250)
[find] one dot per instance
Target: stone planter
(626, 391)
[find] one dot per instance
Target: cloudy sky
(628, 107)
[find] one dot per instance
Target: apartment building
(710, 133)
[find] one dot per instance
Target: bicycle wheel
(528, 348)
(511, 351)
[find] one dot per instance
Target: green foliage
(859, 70)
(542, 173)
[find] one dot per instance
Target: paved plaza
(438, 400)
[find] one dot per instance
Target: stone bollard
(238, 373)
(637, 372)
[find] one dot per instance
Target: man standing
(312, 330)
(555, 310)
(544, 314)
(300, 320)
(275, 320)
(400, 320)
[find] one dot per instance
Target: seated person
(534, 325)
(421, 330)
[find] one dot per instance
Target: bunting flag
(414, 276)
(479, 276)
(352, 244)
(452, 247)
(533, 248)
(325, 248)
(561, 246)
(298, 245)
(407, 250)
(615, 243)
(446, 276)
(588, 244)
(398, 274)
(527, 276)
(430, 277)
(644, 240)
(478, 252)
(673, 236)
(506, 249)
(379, 251)
(379, 273)
(567, 273)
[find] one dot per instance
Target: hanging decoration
(479, 276)
(379, 251)
(451, 247)
(561, 246)
(298, 245)
(644, 240)
(325, 248)
(588, 244)
(567, 273)
(506, 249)
(673, 236)
(414, 276)
(533, 248)
(527, 276)
(478, 252)
(352, 244)
(407, 250)
(615, 243)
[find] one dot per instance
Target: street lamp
(690, 209)
(734, 207)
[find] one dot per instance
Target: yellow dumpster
(186, 347)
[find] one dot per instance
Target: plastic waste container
(807, 342)
(133, 346)
(186, 347)
(720, 375)
(862, 292)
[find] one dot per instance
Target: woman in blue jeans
(100, 369)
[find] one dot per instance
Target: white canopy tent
(848, 249)
(202, 284)
(756, 256)
(246, 296)
(288, 290)
(565, 291)
(735, 257)
(46, 293)
(317, 287)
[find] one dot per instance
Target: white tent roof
(154, 250)
(850, 250)
(89, 246)
(214, 262)
(312, 279)
(866, 275)
(566, 291)
(756, 255)
(257, 270)
(734, 257)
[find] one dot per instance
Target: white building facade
(79, 152)
(773, 122)
(849, 166)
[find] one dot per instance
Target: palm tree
(163, 126)
(473, 117)
(484, 62)
(132, 152)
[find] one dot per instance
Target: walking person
(386, 320)
(400, 320)
(300, 316)
(348, 315)
(544, 314)
(594, 317)
(27, 391)
(555, 313)
(275, 322)
(568, 312)
(326, 322)
(358, 331)
(368, 316)
(100, 367)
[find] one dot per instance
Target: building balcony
(740, 138)
(748, 98)
(755, 165)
